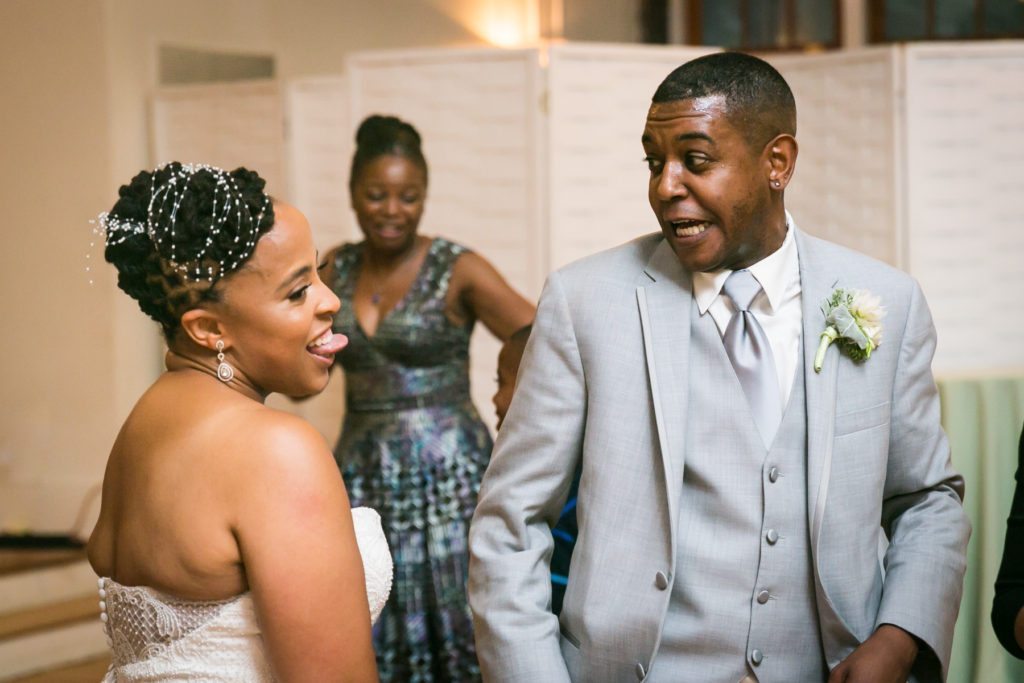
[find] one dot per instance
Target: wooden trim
(695, 34)
(837, 28)
(49, 616)
(789, 21)
(744, 25)
(654, 20)
(876, 21)
(91, 670)
(877, 32)
(695, 22)
(17, 561)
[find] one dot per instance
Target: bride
(224, 538)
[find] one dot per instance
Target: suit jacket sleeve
(522, 494)
(922, 511)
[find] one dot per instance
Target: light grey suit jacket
(603, 384)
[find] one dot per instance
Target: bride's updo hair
(175, 232)
(385, 135)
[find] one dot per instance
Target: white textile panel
(224, 124)
(320, 145)
(915, 155)
(477, 113)
(846, 185)
(598, 97)
(965, 161)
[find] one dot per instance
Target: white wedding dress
(156, 637)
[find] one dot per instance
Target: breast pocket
(862, 419)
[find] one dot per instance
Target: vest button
(773, 474)
(640, 671)
(762, 597)
(772, 536)
(756, 656)
(661, 581)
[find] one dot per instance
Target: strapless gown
(157, 637)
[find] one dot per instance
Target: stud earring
(776, 184)
(225, 373)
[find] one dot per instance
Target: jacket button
(640, 671)
(773, 474)
(756, 656)
(661, 581)
(762, 598)
(772, 536)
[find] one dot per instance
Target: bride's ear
(203, 327)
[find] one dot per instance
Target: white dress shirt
(776, 307)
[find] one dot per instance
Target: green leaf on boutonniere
(853, 320)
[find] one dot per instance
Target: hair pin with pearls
(165, 202)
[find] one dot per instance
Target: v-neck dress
(414, 448)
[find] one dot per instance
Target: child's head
(508, 367)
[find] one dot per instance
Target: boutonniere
(853, 319)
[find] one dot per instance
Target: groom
(742, 516)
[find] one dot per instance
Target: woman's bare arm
(299, 551)
(485, 295)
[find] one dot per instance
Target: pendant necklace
(377, 294)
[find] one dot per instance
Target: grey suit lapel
(664, 298)
(816, 285)
(817, 282)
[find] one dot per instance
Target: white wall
(57, 352)
(315, 35)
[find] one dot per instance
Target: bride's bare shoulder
(271, 429)
(287, 478)
(282, 445)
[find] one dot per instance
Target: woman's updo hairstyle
(385, 135)
(176, 231)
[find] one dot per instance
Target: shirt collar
(774, 272)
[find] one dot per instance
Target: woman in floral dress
(413, 446)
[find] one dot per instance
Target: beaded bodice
(155, 636)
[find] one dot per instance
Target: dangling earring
(225, 373)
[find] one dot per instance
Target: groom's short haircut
(757, 98)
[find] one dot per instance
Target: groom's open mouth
(688, 228)
(326, 345)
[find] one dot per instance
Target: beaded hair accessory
(164, 202)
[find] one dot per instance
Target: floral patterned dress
(414, 448)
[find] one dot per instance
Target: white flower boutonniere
(853, 319)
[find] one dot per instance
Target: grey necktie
(751, 355)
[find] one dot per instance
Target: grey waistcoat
(743, 600)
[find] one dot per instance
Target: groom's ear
(780, 155)
(203, 327)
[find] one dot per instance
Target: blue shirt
(564, 534)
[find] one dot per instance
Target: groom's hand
(885, 657)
